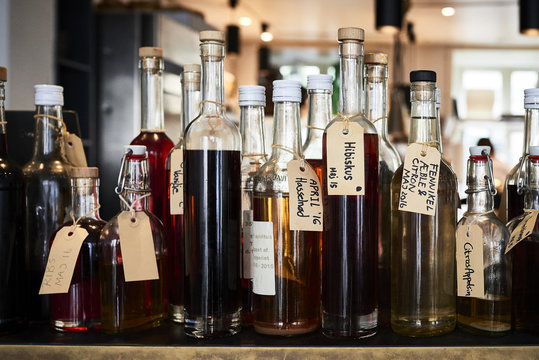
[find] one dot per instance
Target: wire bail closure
(489, 178)
(121, 183)
(520, 178)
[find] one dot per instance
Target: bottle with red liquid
(190, 81)
(78, 309)
(350, 238)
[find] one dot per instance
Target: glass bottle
(423, 294)
(376, 74)
(78, 309)
(190, 81)
(12, 306)
(152, 132)
(490, 315)
(350, 238)
(295, 307)
(134, 304)
(514, 182)
(47, 189)
(526, 253)
(252, 101)
(212, 160)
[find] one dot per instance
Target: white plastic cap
(320, 82)
(534, 150)
(253, 95)
(286, 90)
(478, 150)
(438, 98)
(136, 149)
(531, 98)
(48, 95)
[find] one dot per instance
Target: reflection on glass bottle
(47, 189)
(212, 182)
(294, 307)
(78, 309)
(423, 297)
(488, 313)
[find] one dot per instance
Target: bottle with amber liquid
(526, 253)
(173, 219)
(287, 296)
(483, 310)
(423, 296)
(252, 101)
(47, 190)
(212, 182)
(131, 305)
(12, 281)
(350, 237)
(78, 309)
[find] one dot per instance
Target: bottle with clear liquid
(514, 182)
(526, 253)
(350, 237)
(293, 307)
(152, 128)
(47, 190)
(252, 101)
(376, 74)
(12, 297)
(423, 294)
(131, 305)
(490, 313)
(79, 309)
(212, 182)
(173, 219)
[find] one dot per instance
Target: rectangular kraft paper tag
(75, 150)
(263, 258)
(523, 229)
(247, 244)
(176, 182)
(470, 266)
(305, 206)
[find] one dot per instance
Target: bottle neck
(480, 200)
(48, 132)
(286, 131)
(190, 99)
(424, 124)
(531, 198)
(531, 129)
(212, 55)
(151, 77)
(85, 197)
(136, 182)
(351, 77)
(252, 130)
(376, 97)
(3, 121)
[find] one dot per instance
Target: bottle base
(75, 326)
(208, 327)
(175, 313)
(128, 327)
(424, 327)
(339, 327)
(295, 329)
(485, 328)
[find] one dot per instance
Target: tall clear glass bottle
(294, 308)
(152, 128)
(12, 297)
(423, 296)
(350, 238)
(491, 314)
(173, 219)
(47, 189)
(212, 182)
(526, 253)
(79, 309)
(514, 197)
(376, 74)
(135, 304)
(252, 101)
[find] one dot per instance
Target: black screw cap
(422, 75)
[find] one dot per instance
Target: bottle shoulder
(212, 133)
(486, 221)
(157, 140)
(271, 177)
(367, 126)
(46, 167)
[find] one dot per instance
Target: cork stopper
(150, 51)
(351, 33)
(191, 68)
(84, 172)
(376, 58)
(3, 73)
(212, 35)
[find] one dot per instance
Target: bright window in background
(520, 81)
(299, 73)
(482, 92)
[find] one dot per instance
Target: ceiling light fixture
(448, 11)
(245, 21)
(389, 16)
(529, 17)
(266, 36)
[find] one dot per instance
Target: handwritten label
(74, 150)
(62, 260)
(263, 258)
(420, 174)
(136, 244)
(470, 266)
(247, 244)
(523, 229)
(345, 159)
(176, 182)
(305, 207)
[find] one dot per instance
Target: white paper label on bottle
(420, 175)
(74, 150)
(136, 244)
(247, 244)
(305, 207)
(345, 159)
(62, 260)
(176, 182)
(263, 253)
(523, 229)
(470, 266)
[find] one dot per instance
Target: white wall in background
(4, 32)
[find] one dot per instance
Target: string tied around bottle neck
(75, 222)
(291, 151)
(346, 120)
(255, 157)
(132, 205)
(222, 106)
(55, 128)
(378, 119)
(315, 128)
(425, 146)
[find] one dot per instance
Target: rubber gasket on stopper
(376, 58)
(136, 149)
(147, 51)
(84, 172)
(423, 75)
(212, 35)
(478, 150)
(3, 73)
(351, 33)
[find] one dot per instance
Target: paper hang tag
(247, 244)
(420, 175)
(263, 258)
(136, 244)
(62, 260)
(75, 150)
(470, 266)
(345, 159)
(176, 182)
(305, 206)
(522, 230)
